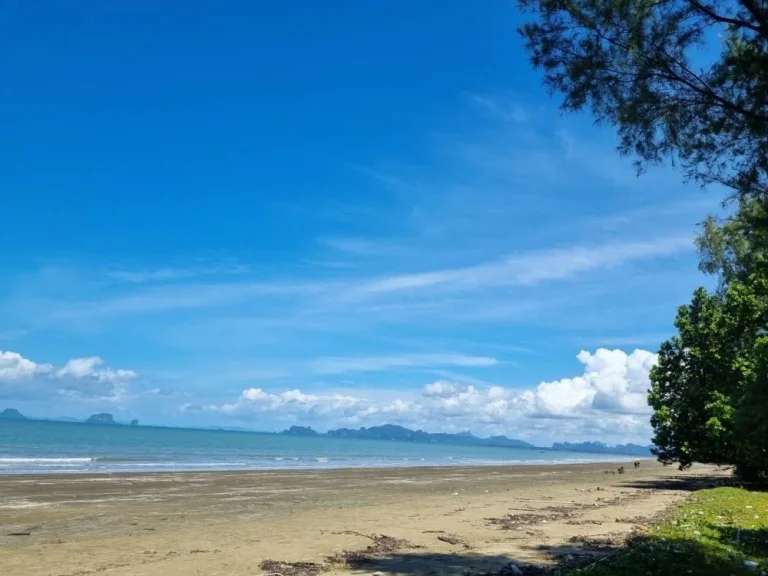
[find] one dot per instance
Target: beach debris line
(637, 520)
(380, 544)
(454, 540)
(384, 543)
(557, 513)
(600, 543)
(513, 521)
(583, 522)
(277, 568)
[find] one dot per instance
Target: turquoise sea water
(50, 447)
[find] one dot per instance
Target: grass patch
(713, 534)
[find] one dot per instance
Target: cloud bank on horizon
(607, 399)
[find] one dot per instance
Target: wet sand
(408, 521)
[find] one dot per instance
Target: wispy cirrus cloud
(377, 363)
(168, 274)
(537, 266)
(326, 295)
(180, 296)
(362, 246)
(504, 109)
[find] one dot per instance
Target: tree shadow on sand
(637, 556)
(473, 564)
(682, 483)
(414, 561)
(411, 563)
(436, 563)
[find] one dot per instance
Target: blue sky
(341, 213)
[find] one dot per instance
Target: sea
(36, 446)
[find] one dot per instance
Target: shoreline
(319, 468)
(30, 447)
(230, 522)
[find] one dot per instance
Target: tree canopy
(735, 247)
(709, 389)
(682, 80)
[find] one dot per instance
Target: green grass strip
(713, 534)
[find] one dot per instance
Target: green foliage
(752, 419)
(711, 535)
(735, 247)
(652, 69)
(709, 389)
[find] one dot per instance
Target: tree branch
(704, 89)
(759, 14)
(724, 19)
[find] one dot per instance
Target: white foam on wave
(46, 460)
(22, 504)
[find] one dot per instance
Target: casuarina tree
(681, 80)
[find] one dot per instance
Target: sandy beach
(407, 521)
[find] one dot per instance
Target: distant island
(12, 414)
(401, 434)
(300, 431)
(106, 418)
(395, 433)
(102, 418)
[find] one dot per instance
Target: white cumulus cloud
(13, 366)
(84, 368)
(83, 377)
(441, 388)
(613, 381)
(292, 403)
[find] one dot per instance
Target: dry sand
(409, 521)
